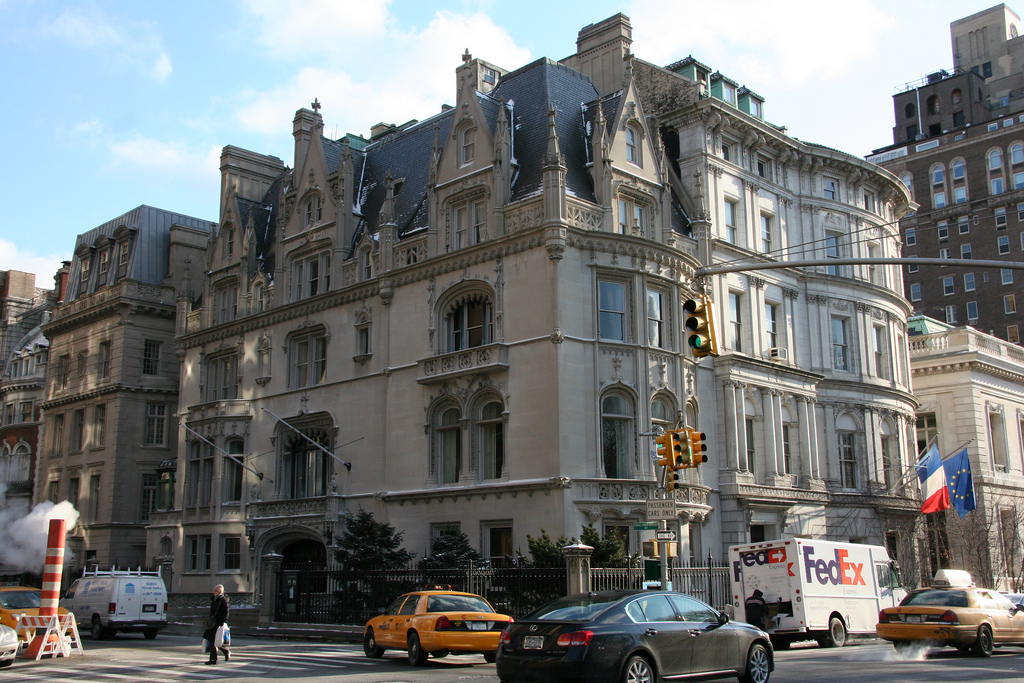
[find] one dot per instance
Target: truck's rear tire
(836, 634)
(150, 633)
(781, 642)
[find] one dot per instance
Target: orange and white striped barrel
(52, 572)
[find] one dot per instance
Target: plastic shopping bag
(223, 637)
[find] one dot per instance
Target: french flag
(933, 481)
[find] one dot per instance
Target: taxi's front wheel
(370, 646)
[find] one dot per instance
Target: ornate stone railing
(965, 339)
(469, 361)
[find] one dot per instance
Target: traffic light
(701, 323)
(698, 448)
(666, 445)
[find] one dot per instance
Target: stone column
(270, 570)
(577, 565)
(731, 436)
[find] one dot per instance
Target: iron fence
(708, 582)
(353, 597)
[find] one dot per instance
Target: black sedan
(632, 637)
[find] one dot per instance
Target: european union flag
(960, 483)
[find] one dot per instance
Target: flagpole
(913, 467)
(906, 475)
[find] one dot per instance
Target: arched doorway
(302, 583)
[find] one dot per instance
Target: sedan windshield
(457, 603)
(936, 598)
(19, 599)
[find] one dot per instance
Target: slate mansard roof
(527, 93)
(150, 246)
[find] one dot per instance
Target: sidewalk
(323, 632)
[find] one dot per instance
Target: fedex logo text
(836, 571)
(758, 557)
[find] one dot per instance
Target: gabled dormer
(465, 168)
(310, 198)
(634, 194)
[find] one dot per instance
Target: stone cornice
(972, 365)
(58, 401)
(511, 489)
(670, 258)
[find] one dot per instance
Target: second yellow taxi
(953, 612)
(436, 623)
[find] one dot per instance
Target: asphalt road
(172, 658)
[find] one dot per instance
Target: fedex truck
(808, 589)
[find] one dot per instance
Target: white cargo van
(814, 590)
(106, 602)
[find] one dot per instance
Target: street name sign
(645, 526)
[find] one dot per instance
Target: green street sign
(645, 526)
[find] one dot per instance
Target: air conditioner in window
(778, 353)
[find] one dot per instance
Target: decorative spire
(554, 155)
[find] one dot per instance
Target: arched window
(662, 414)
(467, 144)
(633, 155)
(449, 446)
(469, 321)
(956, 96)
(932, 106)
(957, 169)
(849, 469)
(166, 546)
(1017, 154)
(491, 434)
(910, 111)
(995, 160)
(908, 180)
(21, 463)
(616, 435)
(233, 471)
(313, 210)
(365, 264)
(938, 175)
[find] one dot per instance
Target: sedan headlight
(8, 636)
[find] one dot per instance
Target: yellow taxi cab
(953, 612)
(18, 600)
(438, 623)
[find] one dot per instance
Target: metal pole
(348, 465)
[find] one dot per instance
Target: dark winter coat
(219, 612)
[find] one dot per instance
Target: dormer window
(729, 93)
(469, 223)
(85, 268)
(229, 243)
(313, 210)
(633, 146)
(467, 140)
(632, 217)
(104, 262)
(122, 260)
(311, 275)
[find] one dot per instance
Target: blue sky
(111, 104)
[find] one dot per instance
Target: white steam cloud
(23, 537)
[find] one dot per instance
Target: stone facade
(476, 320)
(112, 380)
(971, 388)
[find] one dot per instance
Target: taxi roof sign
(947, 578)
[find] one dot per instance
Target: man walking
(218, 616)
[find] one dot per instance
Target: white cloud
(166, 158)
(307, 28)
(138, 44)
(27, 261)
(162, 67)
(792, 42)
(355, 98)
